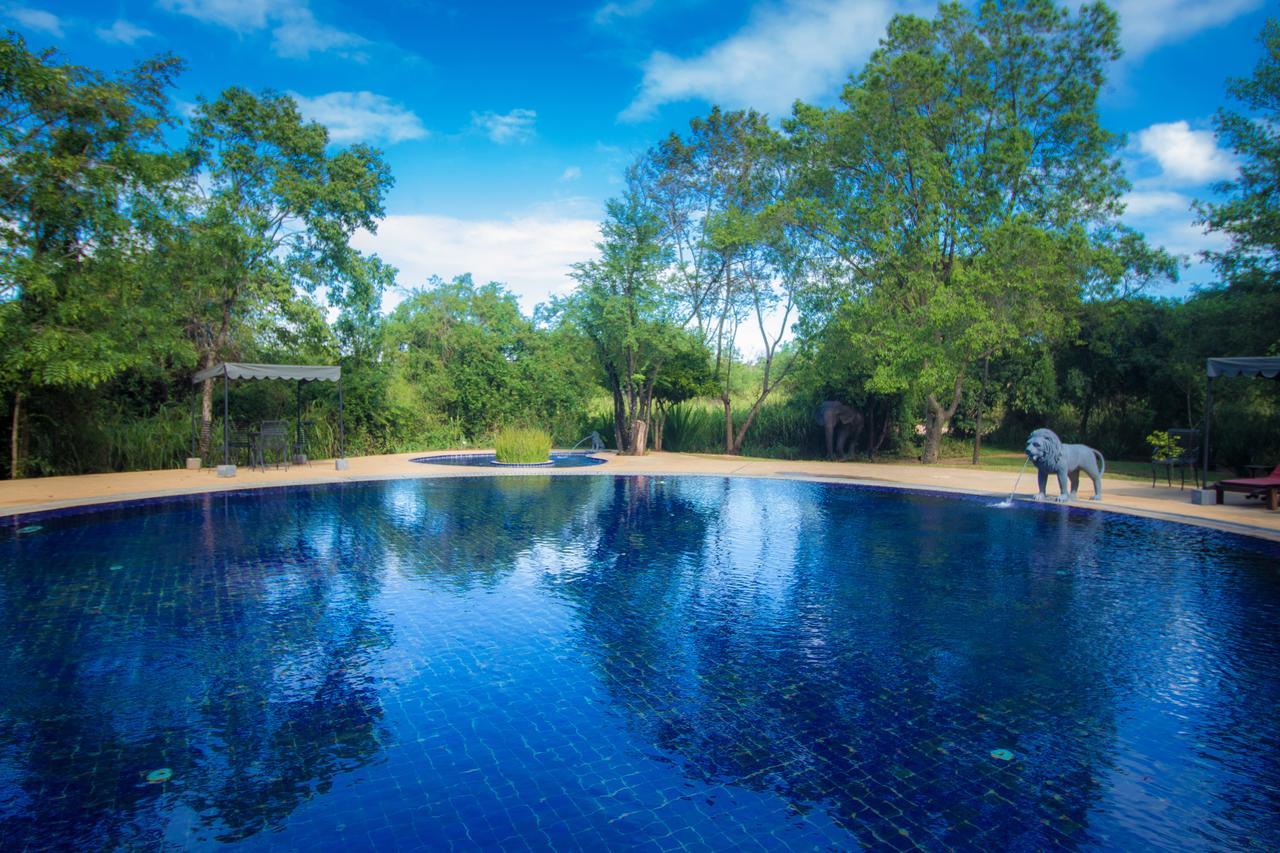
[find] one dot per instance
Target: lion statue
(1051, 456)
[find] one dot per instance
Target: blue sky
(507, 125)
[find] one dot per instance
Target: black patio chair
(246, 440)
(1188, 456)
(273, 438)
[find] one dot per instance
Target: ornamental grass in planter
(522, 446)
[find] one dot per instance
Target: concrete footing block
(194, 463)
(340, 464)
(1204, 497)
(226, 470)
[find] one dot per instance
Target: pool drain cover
(155, 777)
(1002, 754)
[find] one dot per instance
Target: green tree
(464, 354)
(84, 182)
(1250, 215)
(966, 192)
(273, 211)
(621, 307)
(717, 192)
(686, 374)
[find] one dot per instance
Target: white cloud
(295, 32)
(1167, 220)
(36, 19)
(571, 174)
(530, 254)
(1148, 24)
(610, 12)
(1185, 155)
(1144, 203)
(243, 16)
(801, 49)
(516, 126)
(361, 117)
(298, 34)
(122, 32)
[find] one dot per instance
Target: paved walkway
(1238, 514)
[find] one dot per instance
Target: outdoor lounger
(1269, 484)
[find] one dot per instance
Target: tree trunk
(619, 421)
(884, 431)
(728, 425)
(206, 402)
(933, 426)
(659, 422)
(977, 422)
(741, 437)
(936, 421)
(639, 433)
(15, 445)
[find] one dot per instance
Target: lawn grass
(1002, 459)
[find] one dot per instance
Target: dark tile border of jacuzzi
(19, 519)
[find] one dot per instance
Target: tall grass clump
(522, 445)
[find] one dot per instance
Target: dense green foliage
(522, 446)
(945, 239)
(464, 355)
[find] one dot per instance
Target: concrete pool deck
(1135, 497)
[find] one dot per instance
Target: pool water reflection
(583, 662)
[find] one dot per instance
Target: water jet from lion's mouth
(1008, 502)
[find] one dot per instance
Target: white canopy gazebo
(299, 373)
(1253, 367)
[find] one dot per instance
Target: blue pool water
(559, 459)
(633, 663)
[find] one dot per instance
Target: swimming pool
(587, 662)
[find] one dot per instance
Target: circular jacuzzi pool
(559, 459)
(633, 662)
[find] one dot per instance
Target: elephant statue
(842, 424)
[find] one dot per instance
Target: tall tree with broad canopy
(84, 186)
(718, 193)
(1250, 216)
(273, 211)
(966, 191)
(621, 306)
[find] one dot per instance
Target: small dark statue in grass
(842, 424)
(1050, 456)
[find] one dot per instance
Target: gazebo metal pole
(342, 430)
(195, 403)
(299, 420)
(1208, 421)
(226, 422)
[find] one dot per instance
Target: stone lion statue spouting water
(1050, 456)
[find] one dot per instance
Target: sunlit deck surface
(1132, 496)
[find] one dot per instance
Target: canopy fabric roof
(1257, 367)
(303, 372)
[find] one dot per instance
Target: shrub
(523, 446)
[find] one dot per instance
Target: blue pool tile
(611, 663)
